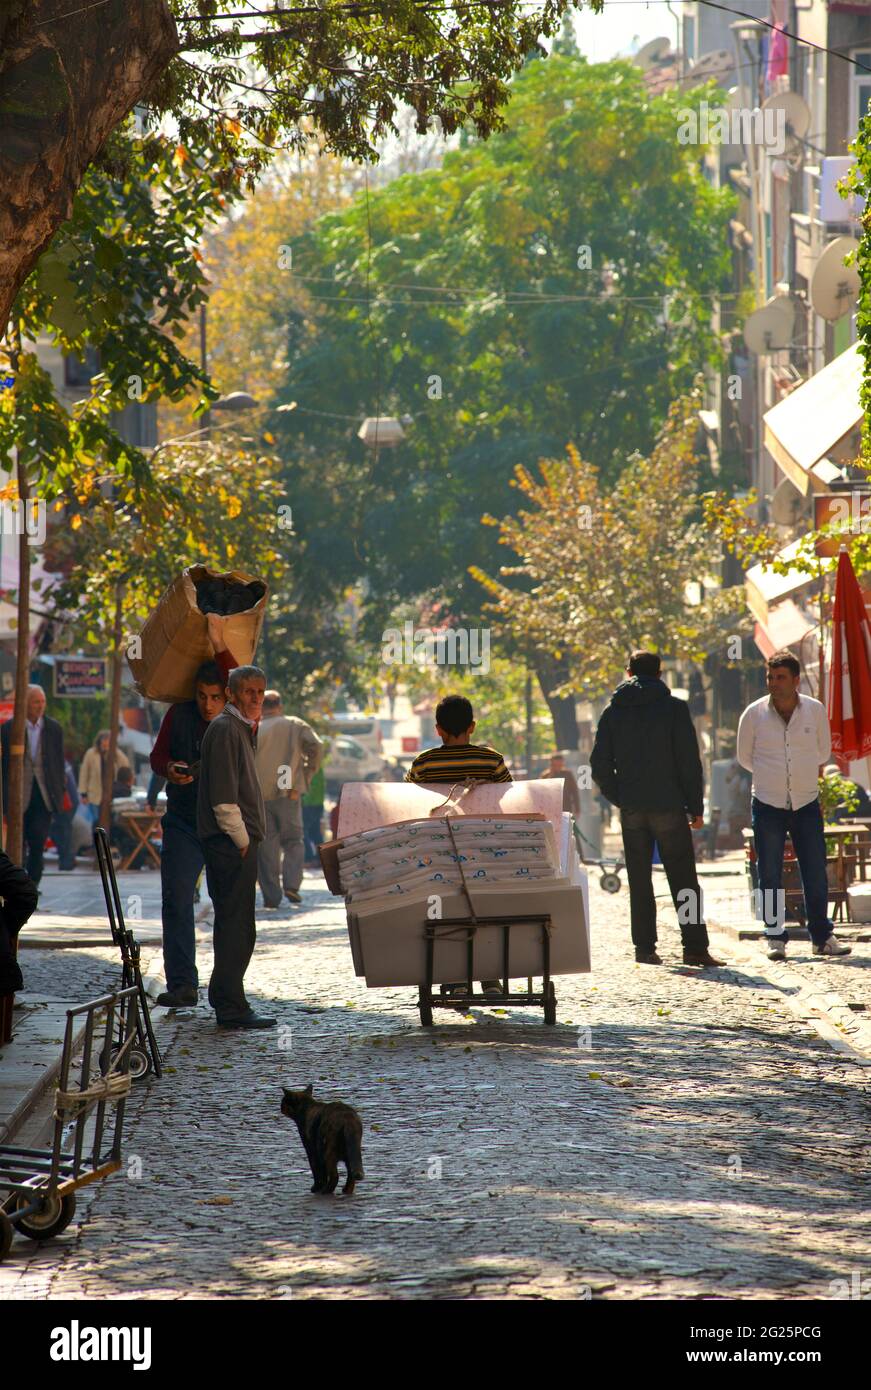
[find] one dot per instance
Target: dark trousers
(805, 828)
(671, 831)
(312, 830)
(61, 832)
(232, 881)
(181, 863)
(37, 821)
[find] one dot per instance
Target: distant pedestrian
(231, 823)
(289, 754)
(91, 774)
(646, 761)
(312, 817)
(61, 829)
(176, 757)
(784, 740)
(571, 793)
(42, 793)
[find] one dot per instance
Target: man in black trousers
(44, 776)
(231, 823)
(646, 761)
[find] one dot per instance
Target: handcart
(88, 1123)
(145, 1055)
(466, 928)
(610, 880)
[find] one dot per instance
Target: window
(78, 372)
(860, 89)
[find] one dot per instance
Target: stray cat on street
(330, 1132)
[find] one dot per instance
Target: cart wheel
(610, 883)
(425, 1011)
(140, 1064)
(54, 1217)
(550, 1005)
(5, 1235)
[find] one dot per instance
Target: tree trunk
(68, 76)
(114, 716)
(562, 707)
(15, 776)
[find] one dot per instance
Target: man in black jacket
(646, 761)
(44, 776)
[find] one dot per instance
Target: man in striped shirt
(458, 758)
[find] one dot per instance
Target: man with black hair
(784, 740)
(646, 761)
(176, 756)
(456, 760)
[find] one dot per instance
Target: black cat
(329, 1132)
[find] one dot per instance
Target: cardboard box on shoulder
(174, 641)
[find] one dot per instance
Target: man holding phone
(176, 756)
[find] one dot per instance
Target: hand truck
(145, 1056)
(88, 1123)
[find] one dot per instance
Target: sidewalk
(67, 957)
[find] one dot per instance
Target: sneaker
(776, 949)
(832, 947)
(292, 896)
(492, 987)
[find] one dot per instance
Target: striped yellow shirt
(456, 762)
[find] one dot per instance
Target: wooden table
(142, 824)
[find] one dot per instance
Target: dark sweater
(646, 754)
(228, 776)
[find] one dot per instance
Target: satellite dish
(769, 329)
(652, 54)
(792, 124)
(834, 286)
(788, 507)
(713, 66)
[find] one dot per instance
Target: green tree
(258, 76)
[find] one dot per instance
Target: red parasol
(850, 676)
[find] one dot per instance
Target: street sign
(410, 743)
(80, 677)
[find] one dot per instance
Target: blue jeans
(181, 863)
(805, 828)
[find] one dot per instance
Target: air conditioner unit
(834, 208)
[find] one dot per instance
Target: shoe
(648, 958)
(776, 949)
(178, 998)
(832, 947)
(271, 907)
(292, 896)
(249, 1021)
(703, 959)
(492, 987)
(450, 990)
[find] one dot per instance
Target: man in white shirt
(784, 739)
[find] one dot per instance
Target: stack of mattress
(403, 874)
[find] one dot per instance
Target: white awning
(765, 588)
(805, 427)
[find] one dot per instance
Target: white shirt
(33, 733)
(784, 758)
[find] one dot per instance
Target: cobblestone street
(677, 1135)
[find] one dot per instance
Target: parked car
(365, 728)
(349, 761)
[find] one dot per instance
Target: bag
(175, 639)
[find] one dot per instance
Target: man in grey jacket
(231, 823)
(289, 754)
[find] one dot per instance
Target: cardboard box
(175, 639)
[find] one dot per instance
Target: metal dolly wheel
(88, 1123)
(145, 1056)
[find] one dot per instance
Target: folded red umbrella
(850, 676)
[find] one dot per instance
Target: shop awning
(785, 626)
(766, 589)
(802, 429)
